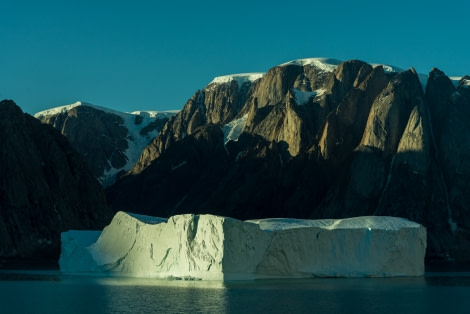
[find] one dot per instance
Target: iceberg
(208, 247)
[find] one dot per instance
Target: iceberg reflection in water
(51, 292)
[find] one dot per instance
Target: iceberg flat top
(370, 222)
(275, 224)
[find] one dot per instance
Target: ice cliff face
(214, 248)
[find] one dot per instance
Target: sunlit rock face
(315, 138)
(211, 247)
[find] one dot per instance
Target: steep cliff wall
(45, 188)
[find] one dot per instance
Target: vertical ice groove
(58, 214)
(387, 183)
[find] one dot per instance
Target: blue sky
(152, 55)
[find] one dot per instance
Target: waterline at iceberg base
(211, 247)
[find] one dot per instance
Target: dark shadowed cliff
(45, 188)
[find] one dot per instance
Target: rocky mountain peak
(320, 140)
(110, 141)
(348, 72)
(45, 187)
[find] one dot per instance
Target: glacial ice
(234, 129)
(241, 78)
(325, 64)
(211, 247)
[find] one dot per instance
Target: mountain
(316, 138)
(110, 141)
(45, 188)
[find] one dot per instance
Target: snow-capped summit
(61, 109)
(241, 78)
(460, 80)
(329, 64)
(325, 64)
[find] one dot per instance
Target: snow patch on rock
(135, 140)
(460, 80)
(155, 114)
(303, 97)
(234, 129)
(218, 248)
(387, 68)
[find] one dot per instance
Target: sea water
(52, 292)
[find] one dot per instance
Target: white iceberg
(211, 247)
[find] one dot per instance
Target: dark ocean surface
(49, 291)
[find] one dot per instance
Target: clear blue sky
(153, 55)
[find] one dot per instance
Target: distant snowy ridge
(325, 64)
(329, 65)
(241, 78)
(155, 114)
(135, 140)
(62, 109)
(456, 80)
